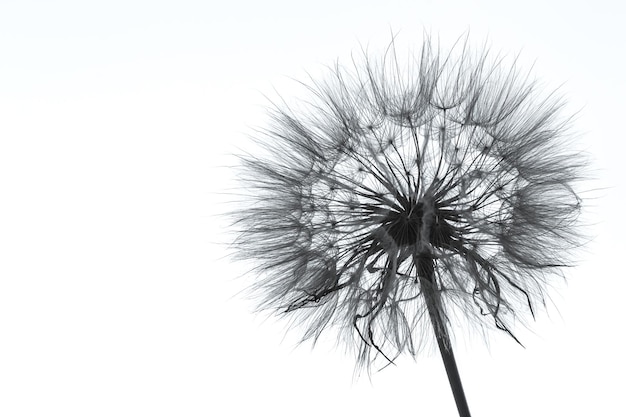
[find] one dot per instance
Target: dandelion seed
(401, 199)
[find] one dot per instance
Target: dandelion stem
(445, 347)
(453, 373)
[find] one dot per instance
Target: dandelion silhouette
(398, 195)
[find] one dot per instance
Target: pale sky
(116, 299)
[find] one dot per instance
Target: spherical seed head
(451, 178)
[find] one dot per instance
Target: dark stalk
(425, 268)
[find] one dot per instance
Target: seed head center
(417, 222)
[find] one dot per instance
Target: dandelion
(400, 196)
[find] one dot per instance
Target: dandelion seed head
(453, 182)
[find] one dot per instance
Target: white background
(115, 296)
